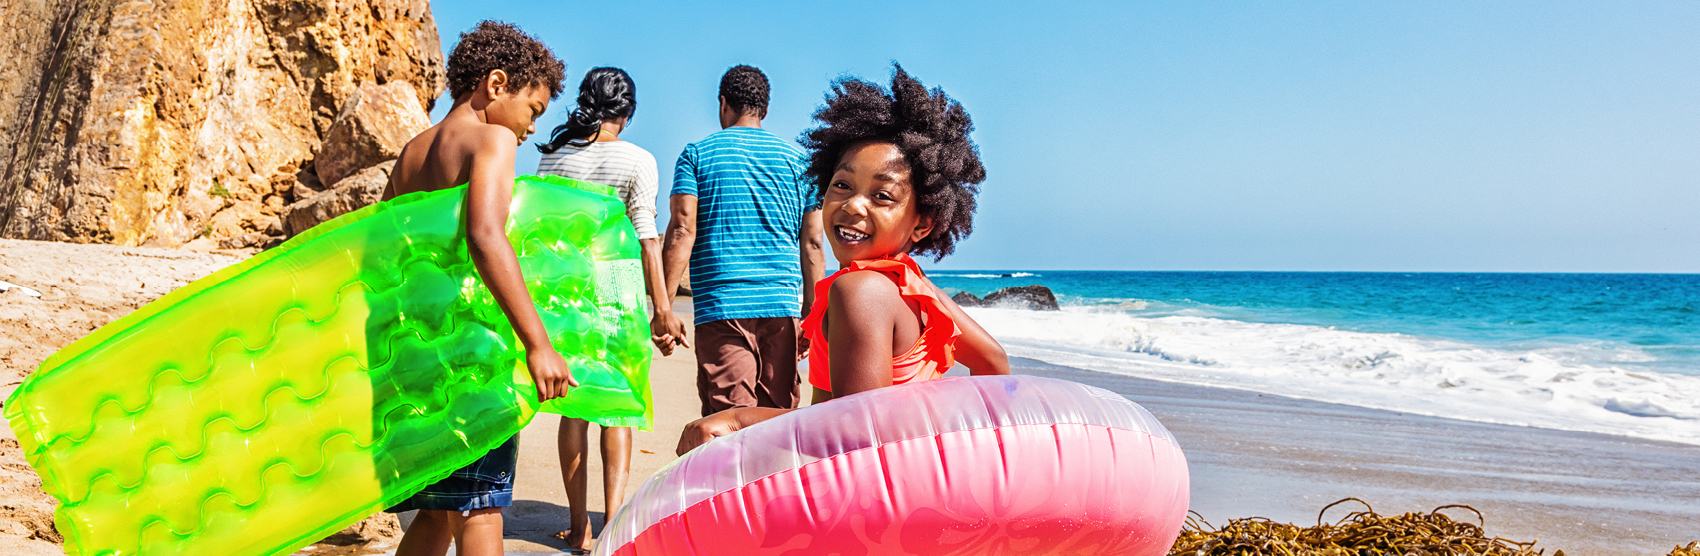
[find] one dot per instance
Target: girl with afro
(897, 175)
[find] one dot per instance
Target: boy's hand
(550, 372)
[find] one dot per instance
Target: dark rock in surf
(966, 299)
(1034, 298)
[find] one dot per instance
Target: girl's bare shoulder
(865, 290)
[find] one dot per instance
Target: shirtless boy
(501, 80)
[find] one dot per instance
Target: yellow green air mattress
(279, 400)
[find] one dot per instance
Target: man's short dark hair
(494, 45)
(745, 90)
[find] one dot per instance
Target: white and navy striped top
(751, 196)
(627, 168)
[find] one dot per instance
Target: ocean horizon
(1607, 353)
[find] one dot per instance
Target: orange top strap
(933, 352)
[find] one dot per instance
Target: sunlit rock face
(166, 122)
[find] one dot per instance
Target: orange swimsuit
(933, 352)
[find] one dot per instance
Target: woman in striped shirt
(588, 147)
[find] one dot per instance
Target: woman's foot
(578, 539)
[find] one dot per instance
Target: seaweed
(1362, 532)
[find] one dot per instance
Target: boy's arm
(488, 196)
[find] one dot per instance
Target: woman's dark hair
(494, 45)
(605, 94)
(745, 90)
(931, 130)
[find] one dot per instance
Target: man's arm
(488, 196)
(814, 258)
(681, 237)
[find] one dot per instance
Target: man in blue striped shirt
(748, 224)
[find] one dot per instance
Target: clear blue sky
(1367, 136)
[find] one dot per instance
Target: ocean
(1608, 353)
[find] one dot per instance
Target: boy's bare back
(444, 155)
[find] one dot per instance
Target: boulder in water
(966, 299)
(1034, 298)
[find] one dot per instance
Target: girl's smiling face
(869, 207)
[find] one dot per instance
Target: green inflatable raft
(279, 400)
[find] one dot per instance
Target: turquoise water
(1610, 353)
(1655, 314)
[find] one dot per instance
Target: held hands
(667, 330)
(550, 372)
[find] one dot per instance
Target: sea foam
(1010, 275)
(1568, 386)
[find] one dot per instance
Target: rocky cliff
(165, 122)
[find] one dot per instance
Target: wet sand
(1255, 454)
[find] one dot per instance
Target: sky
(1286, 136)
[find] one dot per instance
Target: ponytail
(605, 94)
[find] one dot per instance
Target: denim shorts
(487, 482)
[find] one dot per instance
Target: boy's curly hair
(932, 131)
(494, 45)
(745, 89)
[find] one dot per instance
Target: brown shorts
(747, 363)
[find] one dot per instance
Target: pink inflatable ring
(973, 465)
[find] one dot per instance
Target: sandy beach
(1250, 454)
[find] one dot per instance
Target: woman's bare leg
(616, 465)
(573, 443)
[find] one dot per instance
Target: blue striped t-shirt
(751, 196)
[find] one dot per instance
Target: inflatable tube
(281, 399)
(972, 465)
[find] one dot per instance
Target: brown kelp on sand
(1359, 532)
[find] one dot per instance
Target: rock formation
(363, 188)
(965, 299)
(161, 122)
(1034, 298)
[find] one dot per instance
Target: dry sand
(82, 287)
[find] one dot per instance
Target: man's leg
(726, 366)
(776, 356)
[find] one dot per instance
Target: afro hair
(931, 130)
(494, 45)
